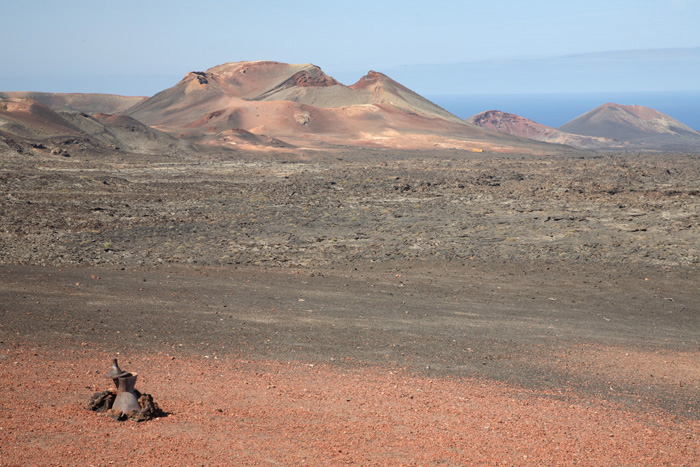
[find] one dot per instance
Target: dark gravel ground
(622, 209)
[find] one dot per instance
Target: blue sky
(141, 47)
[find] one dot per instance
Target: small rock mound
(101, 402)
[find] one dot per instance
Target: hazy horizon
(141, 48)
(556, 109)
(535, 76)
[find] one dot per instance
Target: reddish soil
(283, 367)
(227, 411)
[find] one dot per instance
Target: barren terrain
(353, 308)
(299, 105)
(520, 126)
(609, 127)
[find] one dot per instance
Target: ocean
(556, 109)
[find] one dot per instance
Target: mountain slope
(380, 89)
(30, 126)
(640, 126)
(302, 105)
(27, 118)
(126, 133)
(80, 102)
(526, 128)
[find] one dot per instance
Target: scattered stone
(59, 152)
(101, 402)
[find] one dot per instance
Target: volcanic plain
(356, 307)
(307, 273)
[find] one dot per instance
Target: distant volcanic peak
(311, 77)
(509, 123)
(643, 118)
(81, 102)
(197, 79)
(263, 80)
(269, 69)
(384, 89)
(638, 111)
(494, 116)
(196, 82)
(244, 67)
(526, 128)
(199, 76)
(634, 124)
(27, 118)
(24, 107)
(372, 77)
(20, 104)
(301, 101)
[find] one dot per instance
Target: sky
(141, 47)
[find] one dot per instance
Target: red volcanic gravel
(234, 412)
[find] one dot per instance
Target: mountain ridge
(301, 105)
(520, 126)
(79, 102)
(607, 127)
(274, 105)
(30, 127)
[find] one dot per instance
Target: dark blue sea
(556, 109)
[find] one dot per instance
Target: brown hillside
(526, 128)
(303, 106)
(80, 102)
(28, 126)
(640, 126)
(27, 118)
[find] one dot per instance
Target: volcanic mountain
(80, 102)
(520, 126)
(640, 127)
(302, 105)
(28, 126)
(27, 118)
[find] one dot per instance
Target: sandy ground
(365, 311)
